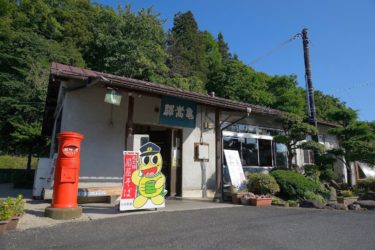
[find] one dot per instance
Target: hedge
(295, 186)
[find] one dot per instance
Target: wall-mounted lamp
(113, 96)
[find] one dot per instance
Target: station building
(116, 113)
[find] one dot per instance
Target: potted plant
(237, 193)
(261, 200)
(17, 209)
(346, 197)
(263, 185)
(245, 200)
(5, 214)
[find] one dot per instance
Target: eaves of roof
(62, 71)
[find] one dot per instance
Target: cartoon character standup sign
(143, 183)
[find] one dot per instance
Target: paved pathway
(34, 216)
(222, 228)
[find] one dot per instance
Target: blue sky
(342, 36)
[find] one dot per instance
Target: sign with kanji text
(177, 112)
(143, 184)
(236, 173)
(129, 189)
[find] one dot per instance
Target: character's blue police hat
(149, 148)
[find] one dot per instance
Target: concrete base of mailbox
(63, 213)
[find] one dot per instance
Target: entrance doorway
(170, 142)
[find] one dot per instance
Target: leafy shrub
(17, 205)
(281, 168)
(5, 211)
(323, 173)
(312, 171)
(367, 185)
(292, 203)
(234, 190)
(316, 197)
(294, 185)
(346, 193)
(327, 175)
(358, 191)
(277, 201)
(260, 183)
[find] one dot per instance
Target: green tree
(295, 132)
(287, 95)
(326, 104)
(186, 48)
(238, 81)
(223, 47)
(212, 52)
(37, 16)
(127, 44)
(75, 18)
(26, 53)
(357, 140)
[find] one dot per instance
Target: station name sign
(177, 112)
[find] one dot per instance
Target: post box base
(63, 213)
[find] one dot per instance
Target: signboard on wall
(177, 112)
(235, 169)
(143, 183)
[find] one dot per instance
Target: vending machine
(136, 141)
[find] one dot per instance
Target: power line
(274, 50)
(356, 86)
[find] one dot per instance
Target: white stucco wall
(103, 127)
(146, 110)
(101, 156)
(192, 171)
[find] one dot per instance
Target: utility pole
(309, 85)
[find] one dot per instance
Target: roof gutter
(90, 82)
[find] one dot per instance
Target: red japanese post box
(67, 171)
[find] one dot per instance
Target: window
(255, 146)
(281, 155)
(257, 152)
(250, 151)
(232, 143)
(308, 157)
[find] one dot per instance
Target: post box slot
(70, 150)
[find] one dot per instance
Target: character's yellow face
(150, 164)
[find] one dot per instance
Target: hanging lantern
(113, 97)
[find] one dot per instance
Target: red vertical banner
(129, 189)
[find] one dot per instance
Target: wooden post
(173, 167)
(310, 88)
(356, 172)
(129, 130)
(219, 164)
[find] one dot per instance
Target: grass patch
(16, 162)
